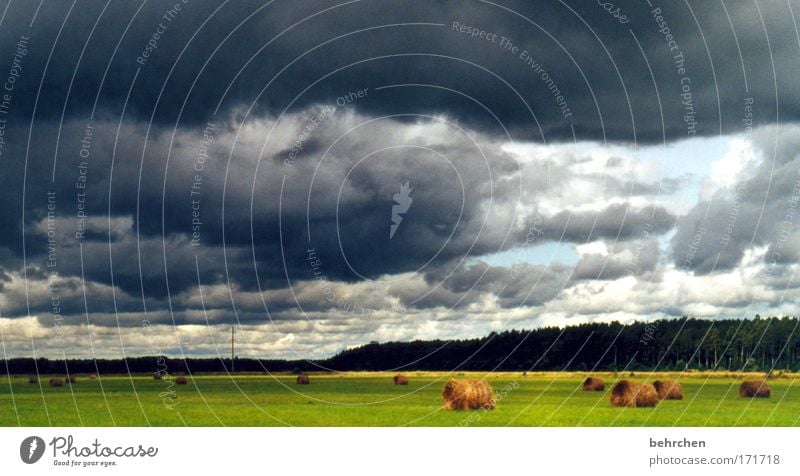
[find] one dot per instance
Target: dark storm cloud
(618, 221)
(151, 207)
(273, 213)
(522, 285)
(583, 69)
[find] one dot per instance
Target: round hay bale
(157, 376)
(754, 389)
(71, 378)
(56, 382)
(33, 379)
(92, 376)
(468, 395)
(624, 394)
(400, 380)
(632, 394)
(303, 380)
(668, 390)
(593, 384)
(181, 381)
(647, 396)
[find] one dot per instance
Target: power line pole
(232, 349)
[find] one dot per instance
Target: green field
(363, 399)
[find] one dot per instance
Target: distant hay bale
(400, 380)
(593, 384)
(71, 378)
(56, 382)
(181, 381)
(754, 389)
(632, 394)
(303, 380)
(668, 390)
(157, 376)
(468, 395)
(33, 379)
(92, 376)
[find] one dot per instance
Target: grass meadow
(370, 399)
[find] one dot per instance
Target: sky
(320, 175)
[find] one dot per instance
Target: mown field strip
(363, 399)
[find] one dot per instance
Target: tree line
(666, 344)
(759, 344)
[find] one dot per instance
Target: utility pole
(232, 349)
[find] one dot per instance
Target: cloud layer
(182, 170)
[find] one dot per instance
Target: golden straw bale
(668, 390)
(468, 395)
(647, 396)
(632, 394)
(754, 388)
